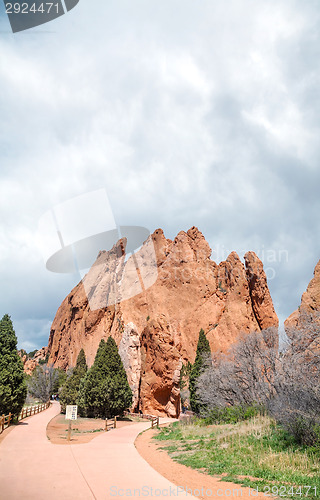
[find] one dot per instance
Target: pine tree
(81, 364)
(13, 388)
(203, 350)
(105, 391)
(70, 390)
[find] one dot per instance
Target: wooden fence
(111, 424)
(154, 420)
(6, 420)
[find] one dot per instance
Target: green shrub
(70, 390)
(203, 351)
(231, 414)
(105, 391)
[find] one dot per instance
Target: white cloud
(204, 114)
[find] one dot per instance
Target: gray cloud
(195, 114)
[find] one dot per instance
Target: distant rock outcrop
(30, 363)
(309, 307)
(157, 329)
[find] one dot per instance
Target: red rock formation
(310, 305)
(29, 364)
(259, 292)
(160, 369)
(190, 292)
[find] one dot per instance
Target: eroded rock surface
(176, 291)
(130, 353)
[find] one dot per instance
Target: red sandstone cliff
(157, 329)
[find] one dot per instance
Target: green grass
(35, 403)
(255, 453)
(133, 419)
(90, 431)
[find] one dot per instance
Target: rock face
(130, 353)
(310, 305)
(157, 328)
(161, 365)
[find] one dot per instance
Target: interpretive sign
(71, 412)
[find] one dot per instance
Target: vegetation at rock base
(43, 382)
(60, 380)
(184, 385)
(232, 414)
(185, 374)
(105, 392)
(265, 407)
(29, 355)
(13, 388)
(203, 351)
(45, 360)
(70, 390)
(254, 372)
(256, 453)
(244, 376)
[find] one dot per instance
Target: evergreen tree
(70, 390)
(105, 391)
(203, 350)
(13, 388)
(61, 380)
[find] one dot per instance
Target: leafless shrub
(296, 404)
(42, 382)
(286, 383)
(243, 376)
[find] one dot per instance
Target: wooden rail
(110, 424)
(6, 420)
(32, 410)
(154, 420)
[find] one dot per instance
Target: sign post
(71, 414)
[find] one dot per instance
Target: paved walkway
(109, 466)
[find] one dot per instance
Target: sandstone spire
(157, 327)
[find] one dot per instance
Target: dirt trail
(201, 485)
(109, 466)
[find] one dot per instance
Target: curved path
(109, 466)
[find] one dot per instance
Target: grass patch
(77, 431)
(256, 453)
(35, 403)
(130, 418)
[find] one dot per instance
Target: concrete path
(109, 466)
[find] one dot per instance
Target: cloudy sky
(187, 113)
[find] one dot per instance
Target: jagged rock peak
(158, 324)
(187, 246)
(259, 292)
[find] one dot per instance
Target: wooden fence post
(106, 426)
(69, 431)
(115, 422)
